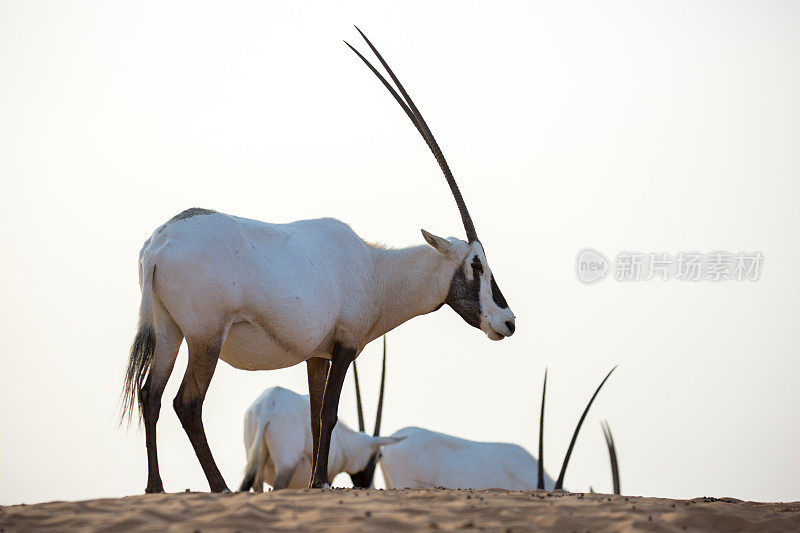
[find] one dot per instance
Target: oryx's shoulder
(332, 227)
(450, 441)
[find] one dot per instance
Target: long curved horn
(358, 399)
(416, 118)
(378, 415)
(612, 452)
(560, 482)
(540, 482)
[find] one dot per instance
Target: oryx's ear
(377, 442)
(441, 245)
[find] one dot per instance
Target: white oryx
(426, 459)
(262, 296)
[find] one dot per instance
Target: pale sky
(649, 127)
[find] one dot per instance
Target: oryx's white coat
(426, 459)
(278, 443)
(282, 293)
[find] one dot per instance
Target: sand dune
(401, 510)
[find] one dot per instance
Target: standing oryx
(262, 296)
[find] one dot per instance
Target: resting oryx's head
(474, 293)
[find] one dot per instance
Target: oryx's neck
(409, 282)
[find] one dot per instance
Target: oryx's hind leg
(188, 404)
(283, 478)
(168, 342)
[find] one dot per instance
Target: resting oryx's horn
(612, 452)
(560, 482)
(416, 118)
(358, 399)
(377, 431)
(540, 481)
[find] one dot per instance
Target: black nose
(511, 327)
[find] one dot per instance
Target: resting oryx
(277, 438)
(426, 459)
(262, 296)
(277, 441)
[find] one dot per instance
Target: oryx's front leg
(317, 377)
(340, 361)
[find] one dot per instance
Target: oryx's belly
(250, 347)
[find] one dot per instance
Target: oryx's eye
(477, 267)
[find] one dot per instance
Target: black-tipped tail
(142, 351)
(249, 477)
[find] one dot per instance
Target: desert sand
(400, 510)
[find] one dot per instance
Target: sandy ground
(401, 510)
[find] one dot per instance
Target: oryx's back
(281, 288)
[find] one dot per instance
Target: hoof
(154, 490)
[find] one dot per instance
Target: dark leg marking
(341, 359)
(151, 407)
(188, 405)
(317, 376)
(166, 349)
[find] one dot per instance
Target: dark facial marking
(464, 297)
(477, 266)
(497, 296)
